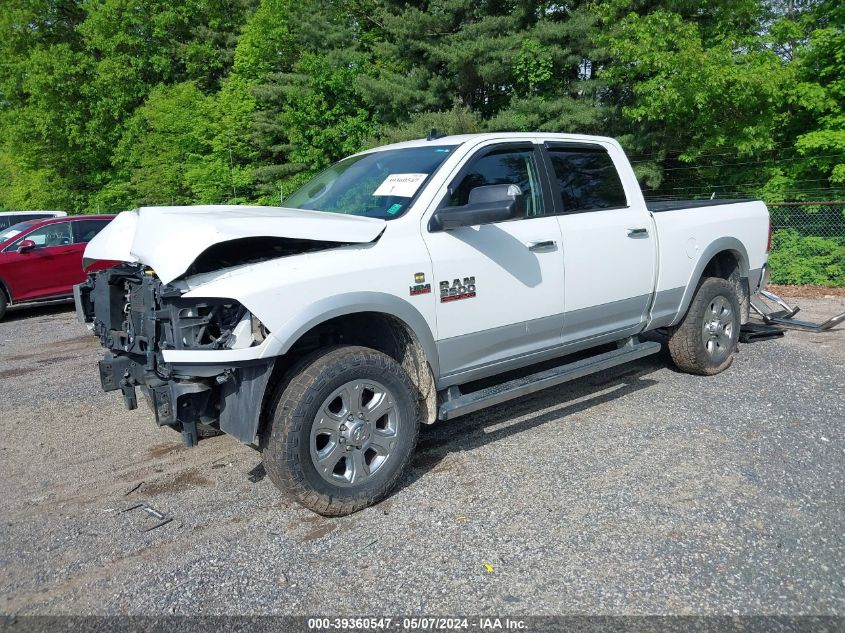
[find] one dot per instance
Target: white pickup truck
(389, 285)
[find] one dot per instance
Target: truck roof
(460, 139)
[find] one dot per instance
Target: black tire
(3, 304)
(290, 451)
(701, 344)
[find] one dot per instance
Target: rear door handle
(542, 246)
(641, 232)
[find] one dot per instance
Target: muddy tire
(341, 430)
(705, 342)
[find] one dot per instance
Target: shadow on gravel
(18, 314)
(469, 432)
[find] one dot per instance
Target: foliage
(820, 96)
(745, 98)
(108, 104)
(458, 120)
(797, 259)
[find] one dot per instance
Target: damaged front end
(138, 318)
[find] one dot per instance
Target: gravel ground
(637, 491)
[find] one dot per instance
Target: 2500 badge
(458, 289)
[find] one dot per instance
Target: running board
(471, 402)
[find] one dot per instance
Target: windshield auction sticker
(402, 185)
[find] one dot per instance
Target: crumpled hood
(169, 239)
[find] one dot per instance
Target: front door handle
(641, 232)
(542, 246)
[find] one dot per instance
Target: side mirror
(26, 246)
(486, 205)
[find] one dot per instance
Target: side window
(586, 180)
(8, 220)
(504, 167)
(85, 230)
(50, 235)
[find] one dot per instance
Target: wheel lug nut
(350, 417)
(342, 427)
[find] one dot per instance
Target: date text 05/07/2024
(416, 624)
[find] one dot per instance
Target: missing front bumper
(230, 398)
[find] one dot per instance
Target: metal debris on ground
(161, 516)
(786, 316)
(133, 489)
(753, 332)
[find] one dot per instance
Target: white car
(10, 218)
(329, 329)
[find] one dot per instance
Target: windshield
(16, 229)
(376, 185)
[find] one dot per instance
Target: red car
(42, 259)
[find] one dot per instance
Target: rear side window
(586, 179)
(85, 230)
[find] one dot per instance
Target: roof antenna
(433, 135)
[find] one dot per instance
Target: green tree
(818, 98)
(110, 103)
(728, 98)
(41, 74)
(162, 145)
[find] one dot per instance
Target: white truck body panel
(316, 286)
(607, 293)
(169, 239)
(690, 237)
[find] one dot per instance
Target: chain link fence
(808, 243)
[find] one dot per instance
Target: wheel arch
(379, 321)
(727, 258)
(356, 303)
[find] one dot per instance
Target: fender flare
(353, 303)
(719, 245)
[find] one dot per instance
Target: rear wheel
(705, 341)
(342, 431)
(3, 304)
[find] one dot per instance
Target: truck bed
(657, 206)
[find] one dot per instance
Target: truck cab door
(609, 243)
(498, 286)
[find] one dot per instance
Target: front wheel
(705, 341)
(342, 431)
